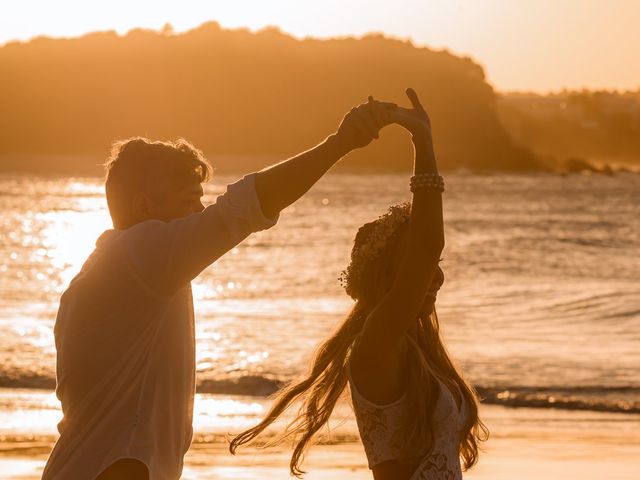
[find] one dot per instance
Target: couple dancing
(125, 327)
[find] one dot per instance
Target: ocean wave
(27, 380)
(600, 399)
(250, 385)
(622, 399)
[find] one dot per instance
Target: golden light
(70, 235)
(524, 45)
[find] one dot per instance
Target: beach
(539, 308)
(265, 242)
(527, 444)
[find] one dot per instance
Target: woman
(417, 416)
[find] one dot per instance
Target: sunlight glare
(70, 236)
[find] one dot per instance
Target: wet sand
(525, 444)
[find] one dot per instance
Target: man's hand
(363, 123)
(280, 185)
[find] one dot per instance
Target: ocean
(540, 306)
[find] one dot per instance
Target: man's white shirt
(125, 339)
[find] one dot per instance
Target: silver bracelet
(430, 180)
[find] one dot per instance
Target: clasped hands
(363, 123)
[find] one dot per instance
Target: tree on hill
(233, 92)
(601, 126)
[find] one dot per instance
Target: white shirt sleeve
(166, 256)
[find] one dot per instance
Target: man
(125, 327)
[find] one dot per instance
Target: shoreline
(525, 443)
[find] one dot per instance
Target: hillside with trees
(575, 128)
(244, 98)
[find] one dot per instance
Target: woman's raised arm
(378, 357)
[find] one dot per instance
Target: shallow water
(541, 304)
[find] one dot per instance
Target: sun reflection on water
(27, 412)
(520, 286)
(214, 413)
(70, 237)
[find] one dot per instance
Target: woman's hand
(416, 119)
(362, 124)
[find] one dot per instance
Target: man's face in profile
(173, 198)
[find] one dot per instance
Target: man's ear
(140, 206)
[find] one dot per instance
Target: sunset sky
(535, 45)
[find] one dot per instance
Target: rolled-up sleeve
(241, 210)
(164, 256)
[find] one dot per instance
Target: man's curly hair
(135, 164)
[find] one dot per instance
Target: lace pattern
(439, 466)
(384, 431)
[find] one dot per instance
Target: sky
(524, 45)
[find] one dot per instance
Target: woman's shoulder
(364, 401)
(382, 380)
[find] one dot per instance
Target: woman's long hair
(327, 378)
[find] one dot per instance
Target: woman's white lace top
(384, 430)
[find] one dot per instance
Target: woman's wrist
(425, 158)
(422, 139)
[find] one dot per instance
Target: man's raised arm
(164, 256)
(282, 184)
